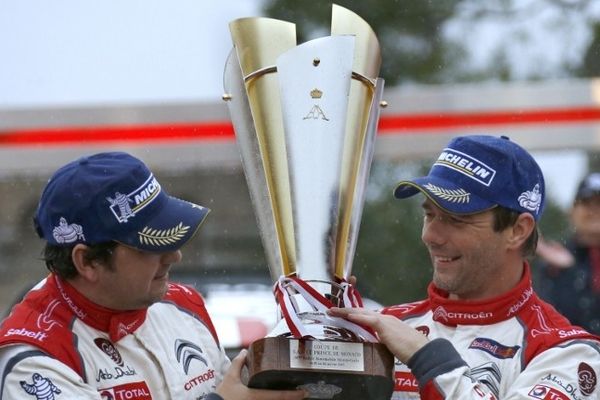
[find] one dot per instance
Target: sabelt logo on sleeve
(37, 335)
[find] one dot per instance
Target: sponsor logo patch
(488, 375)
(45, 321)
(572, 332)
(112, 373)
(570, 389)
(441, 314)
(109, 349)
(587, 379)
(105, 374)
(531, 199)
(41, 336)
(404, 308)
(544, 392)
(423, 329)
(466, 165)
(127, 391)
(78, 311)
(186, 352)
(42, 388)
(405, 382)
(477, 389)
(494, 348)
(200, 379)
(125, 206)
(67, 233)
(519, 304)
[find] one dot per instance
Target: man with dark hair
(483, 333)
(569, 278)
(106, 323)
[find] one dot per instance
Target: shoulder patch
(40, 387)
(587, 379)
(43, 322)
(494, 348)
(544, 392)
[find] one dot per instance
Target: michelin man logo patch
(67, 233)
(531, 199)
(121, 202)
(125, 206)
(42, 388)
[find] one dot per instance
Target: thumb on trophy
(399, 337)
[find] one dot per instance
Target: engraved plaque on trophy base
(326, 369)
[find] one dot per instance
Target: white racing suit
(58, 345)
(512, 347)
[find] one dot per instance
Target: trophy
(305, 118)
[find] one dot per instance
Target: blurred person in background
(569, 277)
(106, 323)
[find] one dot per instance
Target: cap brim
(173, 226)
(444, 194)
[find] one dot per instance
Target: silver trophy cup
(305, 118)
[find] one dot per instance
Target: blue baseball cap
(479, 172)
(114, 197)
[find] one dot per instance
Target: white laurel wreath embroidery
(163, 237)
(454, 196)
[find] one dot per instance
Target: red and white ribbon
(319, 304)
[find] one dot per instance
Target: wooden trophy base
(326, 369)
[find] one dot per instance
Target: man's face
(585, 217)
(466, 253)
(137, 278)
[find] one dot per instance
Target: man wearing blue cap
(106, 323)
(482, 332)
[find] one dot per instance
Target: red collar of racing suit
(116, 323)
(489, 311)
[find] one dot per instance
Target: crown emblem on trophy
(316, 93)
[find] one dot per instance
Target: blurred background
(146, 77)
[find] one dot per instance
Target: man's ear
(85, 268)
(521, 230)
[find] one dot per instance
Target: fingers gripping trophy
(305, 118)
